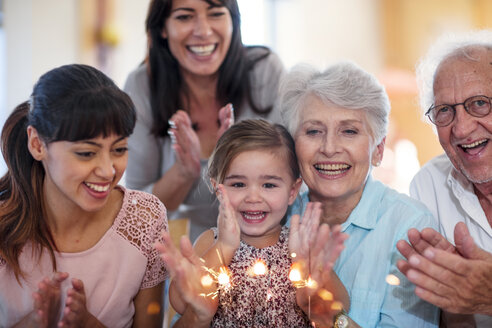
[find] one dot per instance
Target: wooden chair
(177, 228)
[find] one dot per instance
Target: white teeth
(202, 50)
(472, 145)
(96, 187)
(254, 215)
(332, 169)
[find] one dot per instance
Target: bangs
(96, 113)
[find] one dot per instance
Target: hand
(186, 144)
(229, 232)
(75, 313)
(317, 248)
(187, 269)
(47, 300)
(318, 245)
(458, 280)
(226, 119)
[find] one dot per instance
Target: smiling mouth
(254, 216)
(97, 188)
(332, 169)
(202, 50)
(469, 148)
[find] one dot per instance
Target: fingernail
(413, 260)
(429, 253)
(173, 137)
(172, 124)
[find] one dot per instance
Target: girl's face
(260, 188)
(198, 35)
(82, 174)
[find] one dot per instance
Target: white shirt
(450, 197)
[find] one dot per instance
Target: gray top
(149, 156)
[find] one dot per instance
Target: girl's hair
(343, 84)
(247, 135)
(166, 84)
(68, 103)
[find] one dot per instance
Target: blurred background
(385, 37)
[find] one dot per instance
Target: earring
(377, 164)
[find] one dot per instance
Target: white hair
(446, 46)
(344, 84)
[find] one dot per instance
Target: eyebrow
(93, 143)
(263, 177)
(191, 9)
(322, 123)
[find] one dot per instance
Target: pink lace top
(260, 300)
(113, 271)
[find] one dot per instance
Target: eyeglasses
(443, 115)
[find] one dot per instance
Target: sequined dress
(260, 300)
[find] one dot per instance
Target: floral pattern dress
(267, 300)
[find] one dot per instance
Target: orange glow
(259, 268)
(295, 272)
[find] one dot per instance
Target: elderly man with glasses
(453, 268)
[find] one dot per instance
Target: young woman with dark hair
(63, 214)
(196, 71)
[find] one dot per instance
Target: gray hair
(344, 84)
(448, 45)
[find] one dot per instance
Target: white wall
(321, 32)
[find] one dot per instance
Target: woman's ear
(295, 190)
(36, 146)
(215, 185)
(377, 155)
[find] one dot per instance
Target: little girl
(255, 174)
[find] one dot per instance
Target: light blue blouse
(382, 217)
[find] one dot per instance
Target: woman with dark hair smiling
(196, 71)
(63, 214)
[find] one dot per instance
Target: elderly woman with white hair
(338, 118)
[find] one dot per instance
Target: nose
(253, 195)
(463, 123)
(202, 27)
(329, 145)
(105, 168)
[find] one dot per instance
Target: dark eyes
(85, 154)
(267, 185)
(121, 150)
(183, 17)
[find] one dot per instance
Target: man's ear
(295, 190)
(36, 146)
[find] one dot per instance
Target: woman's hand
(229, 232)
(317, 247)
(75, 313)
(187, 270)
(226, 119)
(47, 300)
(186, 145)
